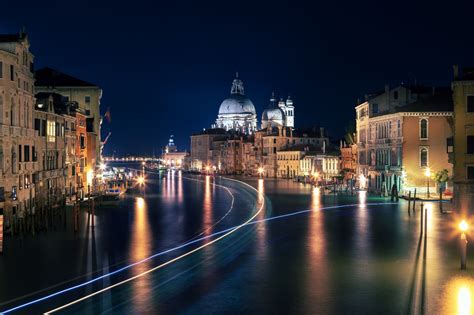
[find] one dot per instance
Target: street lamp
(102, 166)
(428, 175)
(208, 168)
(260, 171)
(463, 227)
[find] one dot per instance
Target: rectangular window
(33, 151)
(27, 153)
(470, 144)
(19, 154)
(51, 131)
(1, 69)
(38, 125)
(470, 103)
(87, 99)
(12, 73)
(470, 172)
(43, 128)
(83, 141)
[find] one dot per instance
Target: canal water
(182, 248)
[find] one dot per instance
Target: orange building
(406, 144)
(81, 151)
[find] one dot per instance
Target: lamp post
(208, 168)
(428, 175)
(260, 171)
(463, 227)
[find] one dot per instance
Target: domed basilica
(237, 112)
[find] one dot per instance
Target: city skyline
(187, 63)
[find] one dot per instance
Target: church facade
(237, 112)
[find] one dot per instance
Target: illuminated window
(51, 131)
(424, 129)
(424, 157)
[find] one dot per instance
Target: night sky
(165, 66)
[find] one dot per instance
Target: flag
(107, 115)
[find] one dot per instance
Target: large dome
(237, 104)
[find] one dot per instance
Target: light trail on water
(226, 233)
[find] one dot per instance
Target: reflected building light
(362, 197)
(316, 198)
(362, 181)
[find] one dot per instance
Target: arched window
(424, 129)
(424, 157)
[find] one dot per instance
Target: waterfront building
(81, 151)
(237, 111)
(288, 162)
(86, 94)
(173, 158)
(273, 139)
(17, 142)
(401, 136)
(51, 146)
(463, 153)
(348, 160)
(205, 148)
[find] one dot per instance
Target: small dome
(237, 104)
(273, 114)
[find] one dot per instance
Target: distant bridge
(131, 159)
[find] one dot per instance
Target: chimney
(456, 72)
(321, 130)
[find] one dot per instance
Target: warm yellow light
(464, 300)
(102, 166)
(427, 172)
(208, 168)
(316, 175)
(463, 226)
(90, 177)
(140, 203)
(260, 170)
(141, 180)
(143, 163)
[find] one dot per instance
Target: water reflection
(207, 207)
(261, 227)
(464, 300)
(458, 296)
(318, 281)
(140, 247)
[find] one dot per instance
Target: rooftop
(51, 78)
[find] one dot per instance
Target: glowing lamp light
(208, 168)
(463, 226)
(102, 166)
(427, 172)
(260, 170)
(141, 180)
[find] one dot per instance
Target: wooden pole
(414, 200)
(409, 201)
(440, 200)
